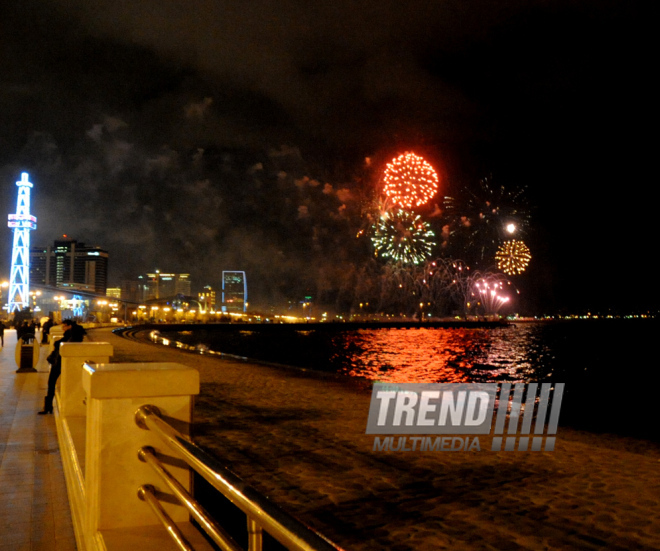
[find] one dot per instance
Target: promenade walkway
(34, 509)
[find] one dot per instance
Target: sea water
(607, 365)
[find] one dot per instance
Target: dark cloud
(209, 135)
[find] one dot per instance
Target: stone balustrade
(99, 443)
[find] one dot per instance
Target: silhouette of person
(22, 329)
(46, 330)
(72, 333)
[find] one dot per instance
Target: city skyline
(218, 139)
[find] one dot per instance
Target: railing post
(71, 427)
(113, 472)
(74, 355)
(255, 535)
(55, 334)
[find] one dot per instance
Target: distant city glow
(513, 257)
(410, 181)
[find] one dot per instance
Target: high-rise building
(132, 290)
(234, 292)
(70, 264)
(161, 285)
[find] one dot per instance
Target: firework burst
(484, 217)
(410, 181)
(513, 257)
(403, 237)
(488, 292)
(491, 298)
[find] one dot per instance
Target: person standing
(2, 333)
(22, 328)
(72, 333)
(45, 331)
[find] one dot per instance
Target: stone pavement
(34, 509)
(299, 437)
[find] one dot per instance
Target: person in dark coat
(72, 333)
(22, 329)
(46, 330)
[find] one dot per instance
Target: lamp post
(33, 296)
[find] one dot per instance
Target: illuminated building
(207, 298)
(22, 222)
(114, 292)
(71, 265)
(159, 285)
(234, 292)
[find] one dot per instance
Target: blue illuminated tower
(234, 292)
(22, 222)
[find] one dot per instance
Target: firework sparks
(513, 257)
(489, 294)
(403, 237)
(485, 216)
(410, 181)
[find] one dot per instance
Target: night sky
(203, 136)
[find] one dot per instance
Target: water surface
(607, 365)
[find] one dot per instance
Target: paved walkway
(34, 509)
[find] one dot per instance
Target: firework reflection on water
(595, 359)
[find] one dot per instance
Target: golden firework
(513, 257)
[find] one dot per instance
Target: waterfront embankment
(299, 437)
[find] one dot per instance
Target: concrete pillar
(113, 472)
(71, 400)
(55, 334)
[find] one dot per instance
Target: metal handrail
(146, 493)
(261, 512)
(219, 536)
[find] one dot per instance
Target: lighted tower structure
(22, 222)
(234, 292)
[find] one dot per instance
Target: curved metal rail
(262, 514)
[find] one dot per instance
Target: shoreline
(301, 441)
(324, 326)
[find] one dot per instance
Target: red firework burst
(410, 181)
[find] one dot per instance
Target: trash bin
(27, 354)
